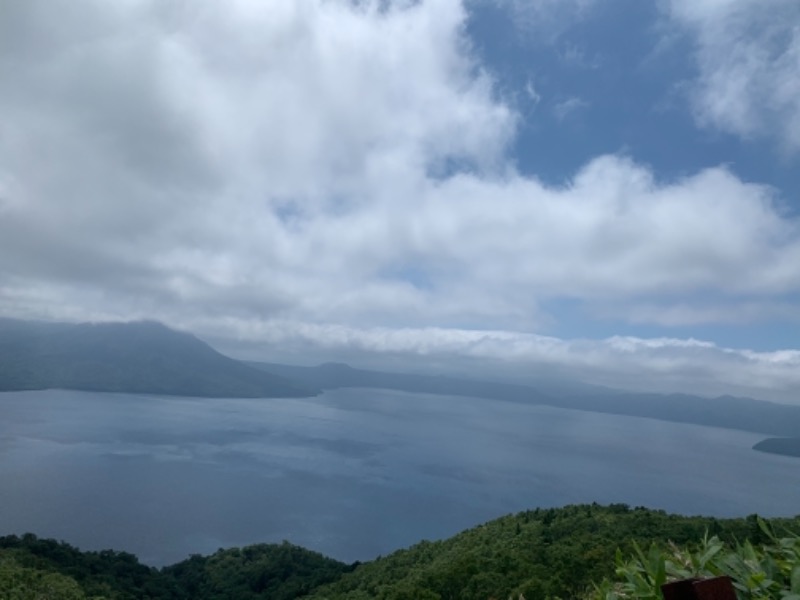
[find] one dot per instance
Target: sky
(600, 189)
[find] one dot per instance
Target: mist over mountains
(150, 358)
(725, 411)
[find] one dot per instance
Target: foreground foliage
(543, 553)
(274, 571)
(769, 571)
(105, 574)
(21, 583)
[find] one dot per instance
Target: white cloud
(534, 97)
(468, 250)
(330, 168)
(682, 313)
(157, 141)
(567, 107)
(656, 364)
(748, 58)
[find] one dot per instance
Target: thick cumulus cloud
(748, 58)
(326, 170)
(180, 150)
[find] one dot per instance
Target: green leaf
(795, 580)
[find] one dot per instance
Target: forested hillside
(542, 553)
(36, 568)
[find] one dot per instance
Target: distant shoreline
(784, 446)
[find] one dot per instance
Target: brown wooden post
(715, 588)
(679, 590)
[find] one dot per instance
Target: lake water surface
(351, 473)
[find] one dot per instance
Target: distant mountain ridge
(783, 446)
(139, 358)
(727, 412)
(334, 375)
(147, 357)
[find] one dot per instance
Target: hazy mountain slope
(147, 357)
(784, 446)
(330, 376)
(142, 358)
(728, 412)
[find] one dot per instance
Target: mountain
(535, 554)
(330, 376)
(784, 446)
(149, 358)
(138, 358)
(541, 553)
(728, 412)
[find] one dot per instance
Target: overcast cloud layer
(334, 176)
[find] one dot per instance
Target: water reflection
(352, 473)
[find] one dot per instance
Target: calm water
(352, 473)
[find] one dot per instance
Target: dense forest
(543, 553)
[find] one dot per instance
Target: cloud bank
(338, 174)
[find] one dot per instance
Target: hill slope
(138, 358)
(544, 553)
(540, 553)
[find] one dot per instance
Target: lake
(352, 473)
